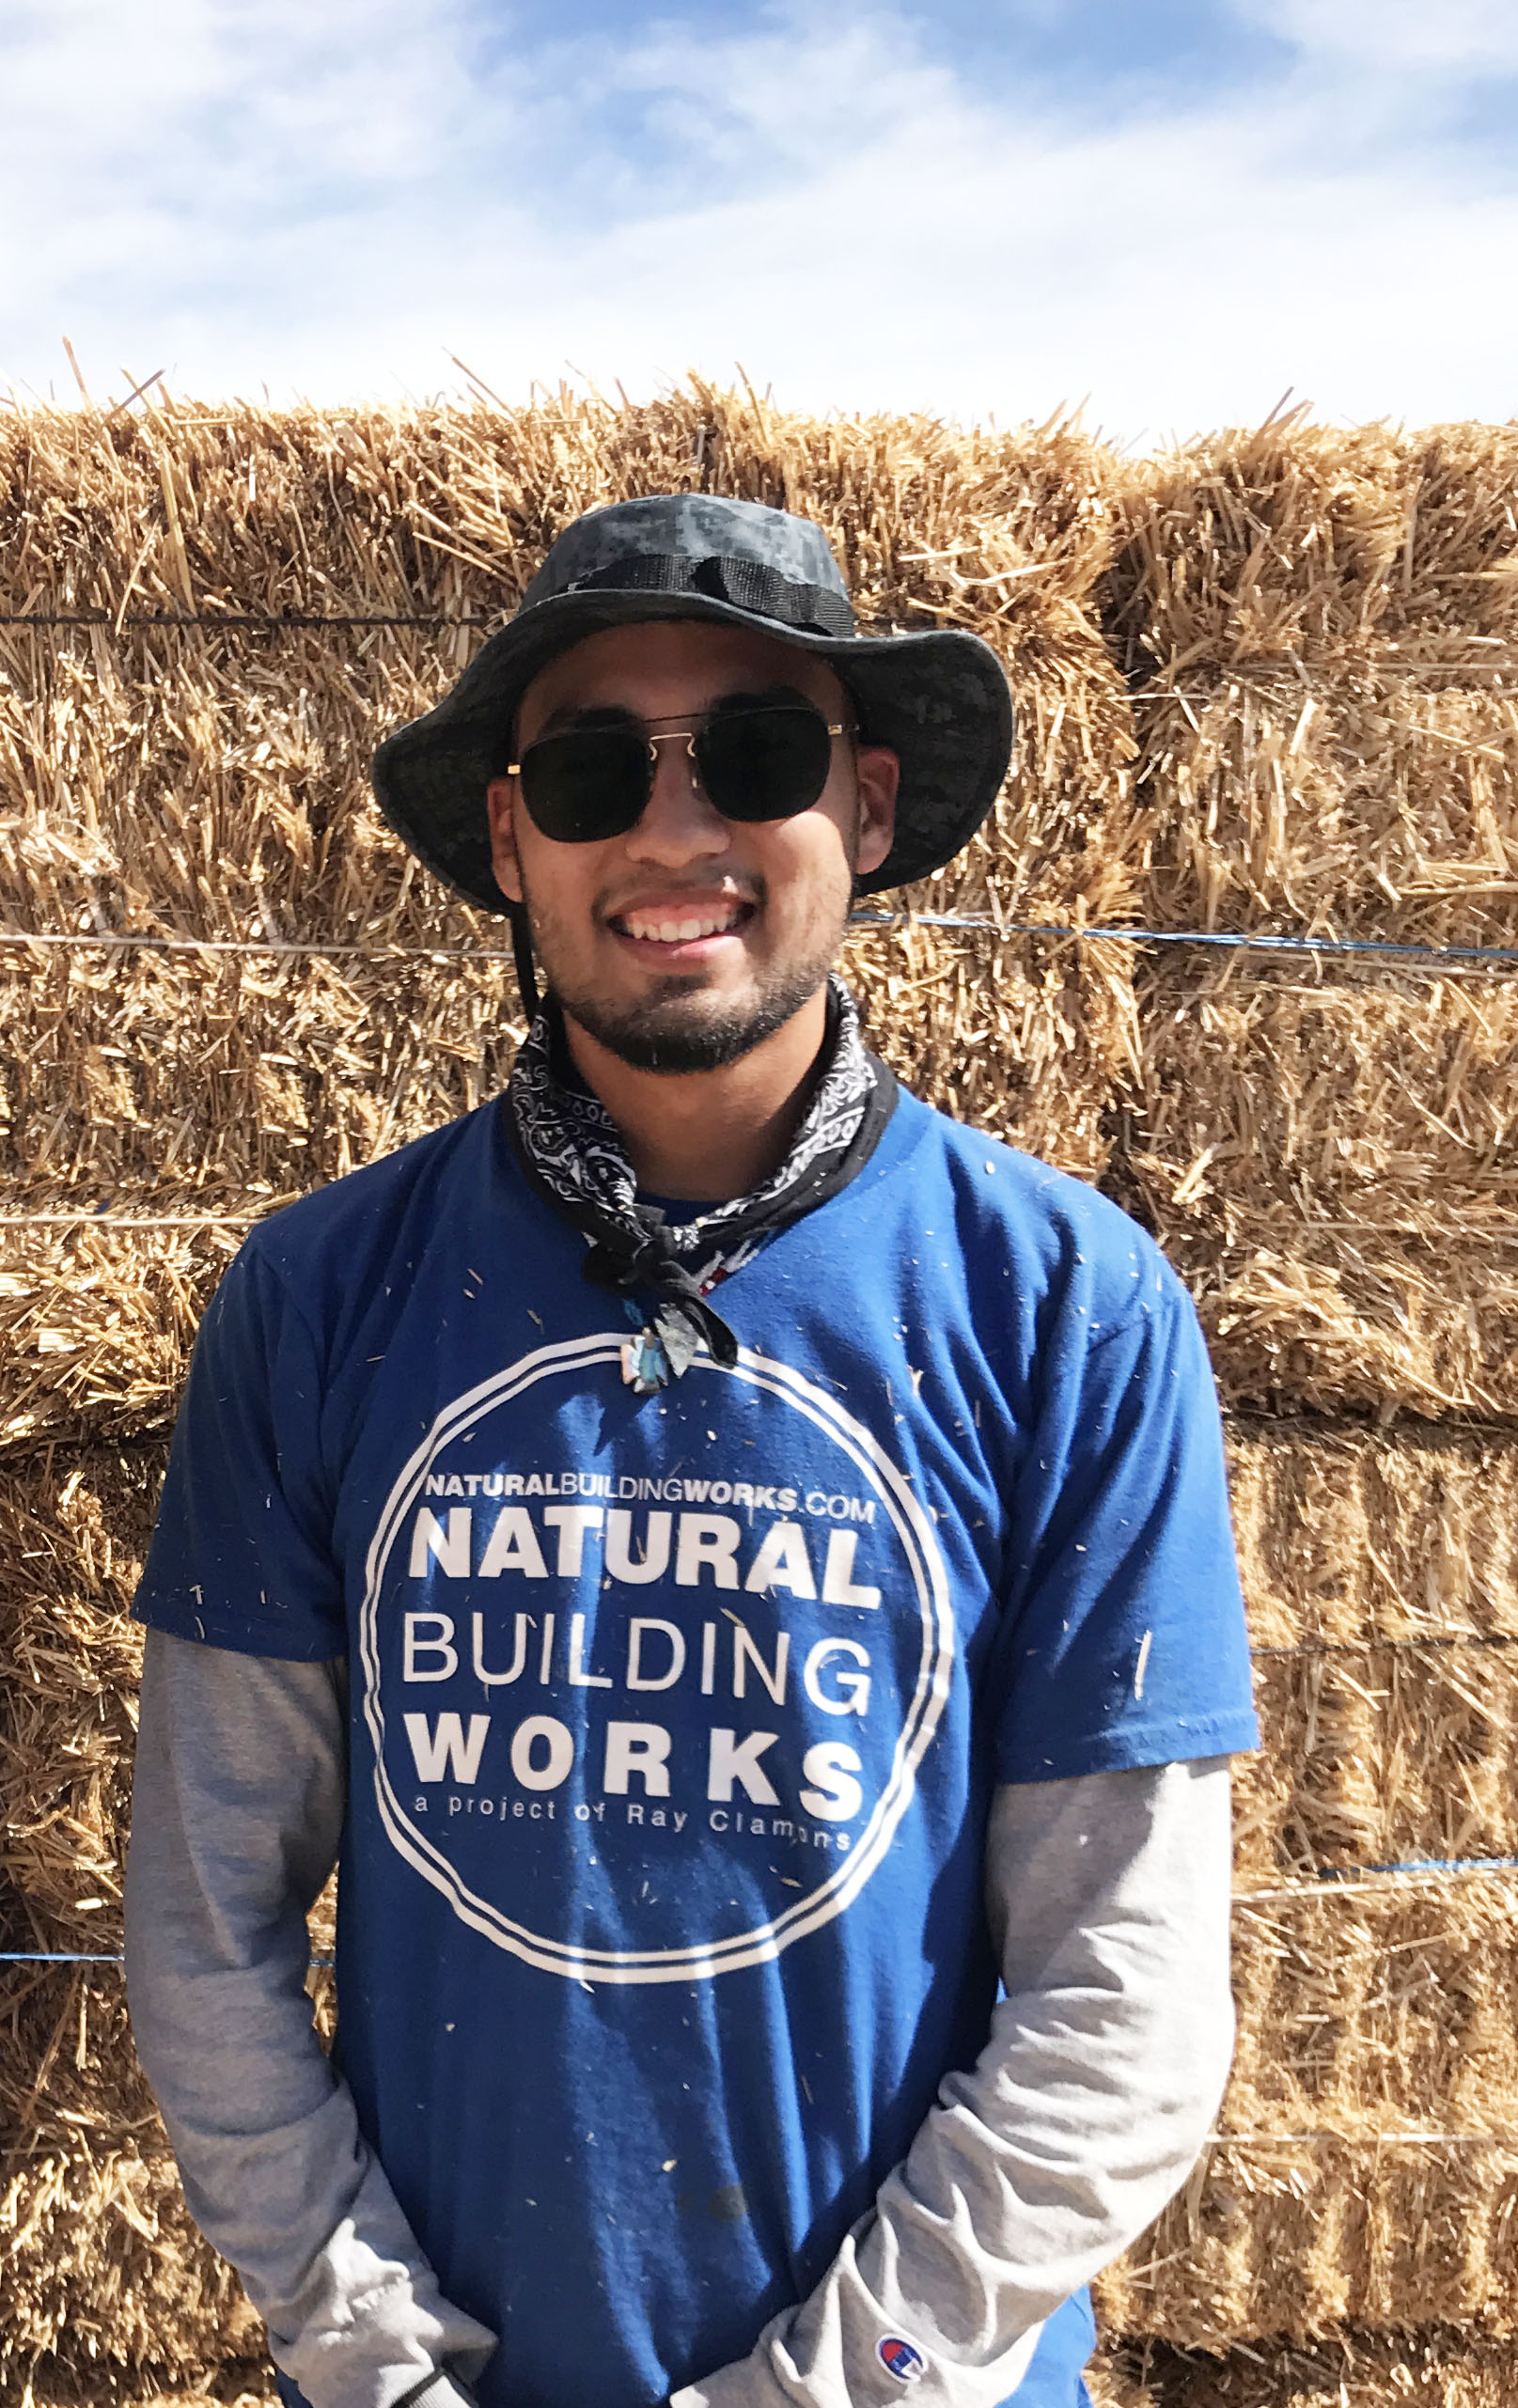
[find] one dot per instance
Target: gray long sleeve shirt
(1108, 1897)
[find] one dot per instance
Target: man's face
(687, 941)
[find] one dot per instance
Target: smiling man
(689, 954)
(736, 1568)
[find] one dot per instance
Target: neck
(706, 1136)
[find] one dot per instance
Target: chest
(602, 1635)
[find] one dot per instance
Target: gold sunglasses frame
(668, 735)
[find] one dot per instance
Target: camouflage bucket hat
(937, 696)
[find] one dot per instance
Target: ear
(879, 773)
(499, 799)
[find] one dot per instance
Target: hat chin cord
(522, 961)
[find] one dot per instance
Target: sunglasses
(753, 761)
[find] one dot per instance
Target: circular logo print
(649, 1681)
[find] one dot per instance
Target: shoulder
(340, 1229)
(1057, 1237)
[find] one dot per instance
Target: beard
(670, 1031)
(679, 1025)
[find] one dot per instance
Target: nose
(678, 824)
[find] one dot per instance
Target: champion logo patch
(901, 2360)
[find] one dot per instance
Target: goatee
(667, 1032)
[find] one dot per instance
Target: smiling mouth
(664, 924)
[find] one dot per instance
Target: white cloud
(326, 195)
(1391, 39)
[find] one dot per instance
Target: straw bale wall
(102, 2267)
(211, 779)
(1247, 702)
(165, 1108)
(1381, 1571)
(1365, 2010)
(1332, 1161)
(1320, 629)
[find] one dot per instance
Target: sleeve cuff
(441, 2389)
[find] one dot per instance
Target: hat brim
(938, 697)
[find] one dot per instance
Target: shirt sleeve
(1109, 1898)
(237, 1808)
(241, 1555)
(1123, 1642)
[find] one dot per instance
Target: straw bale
(105, 2275)
(1396, 1746)
(1442, 2367)
(73, 1526)
(1381, 1755)
(226, 2383)
(1381, 1576)
(1353, 806)
(129, 1074)
(1331, 1163)
(438, 509)
(1366, 2015)
(96, 1320)
(1340, 613)
(1375, 2007)
(1359, 2013)
(1027, 1037)
(122, 1075)
(102, 2261)
(1348, 1534)
(176, 1102)
(213, 782)
(1294, 540)
(210, 778)
(1386, 1563)
(105, 2270)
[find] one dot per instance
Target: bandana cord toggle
(642, 1257)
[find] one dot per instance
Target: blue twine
(1234, 939)
(1444, 1868)
(51, 1957)
(65, 1957)
(1449, 1866)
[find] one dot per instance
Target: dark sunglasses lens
(586, 786)
(767, 763)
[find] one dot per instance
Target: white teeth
(682, 932)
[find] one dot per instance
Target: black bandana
(572, 1152)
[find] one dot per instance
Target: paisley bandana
(572, 1152)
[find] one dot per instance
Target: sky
(1168, 212)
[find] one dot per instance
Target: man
(734, 1562)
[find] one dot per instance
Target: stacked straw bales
(1321, 632)
(1383, 1576)
(191, 767)
(1321, 628)
(1264, 685)
(1332, 1163)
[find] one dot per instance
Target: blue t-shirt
(675, 1719)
